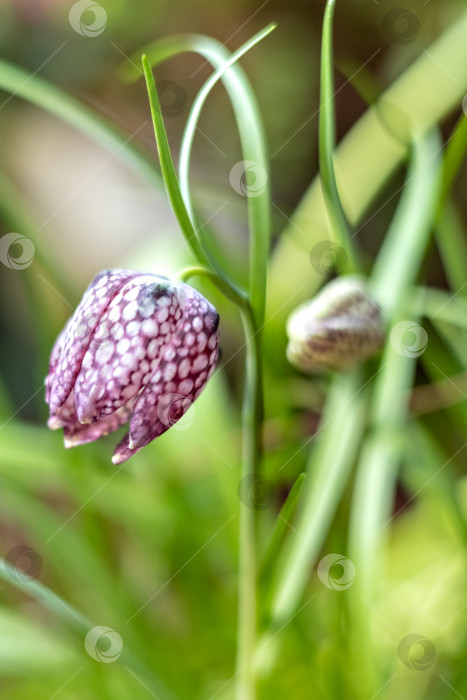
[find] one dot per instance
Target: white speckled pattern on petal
(117, 362)
(55, 358)
(182, 373)
(96, 299)
(139, 347)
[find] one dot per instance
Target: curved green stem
(195, 113)
(327, 141)
(168, 169)
(238, 298)
(177, 201)
(254, 152)
(252, 418)
(253, 146)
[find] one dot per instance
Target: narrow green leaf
(396, 269)
(332, 456)
(280, 530)
(71, 617)
(327, 141)
(252, 139)
(454, 156)
(452, 244)
(173, 189)
(168, 168)
(398, 262)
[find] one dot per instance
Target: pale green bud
(339, 328)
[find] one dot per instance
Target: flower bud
(339, 328)
(139, 349)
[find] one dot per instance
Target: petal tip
(54, 423)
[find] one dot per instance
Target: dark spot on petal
(211, 321)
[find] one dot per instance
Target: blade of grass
(333, 452)
(252, 138)
(394, 273)
(279, 531)
(378, 155)
(72, 618)
(405, 243)
(452, 244)
(450, 237)
(253, 149)
(173, 189)
(445, 306)
(327, 141)
(454, 157)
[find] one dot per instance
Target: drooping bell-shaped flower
(139, 349)
(339, 328)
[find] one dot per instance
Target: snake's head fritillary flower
(139, 348)
(338, 329)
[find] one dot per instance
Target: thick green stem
(252, 417)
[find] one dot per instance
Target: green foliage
(152, 550)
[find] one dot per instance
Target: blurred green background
(150, 550)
